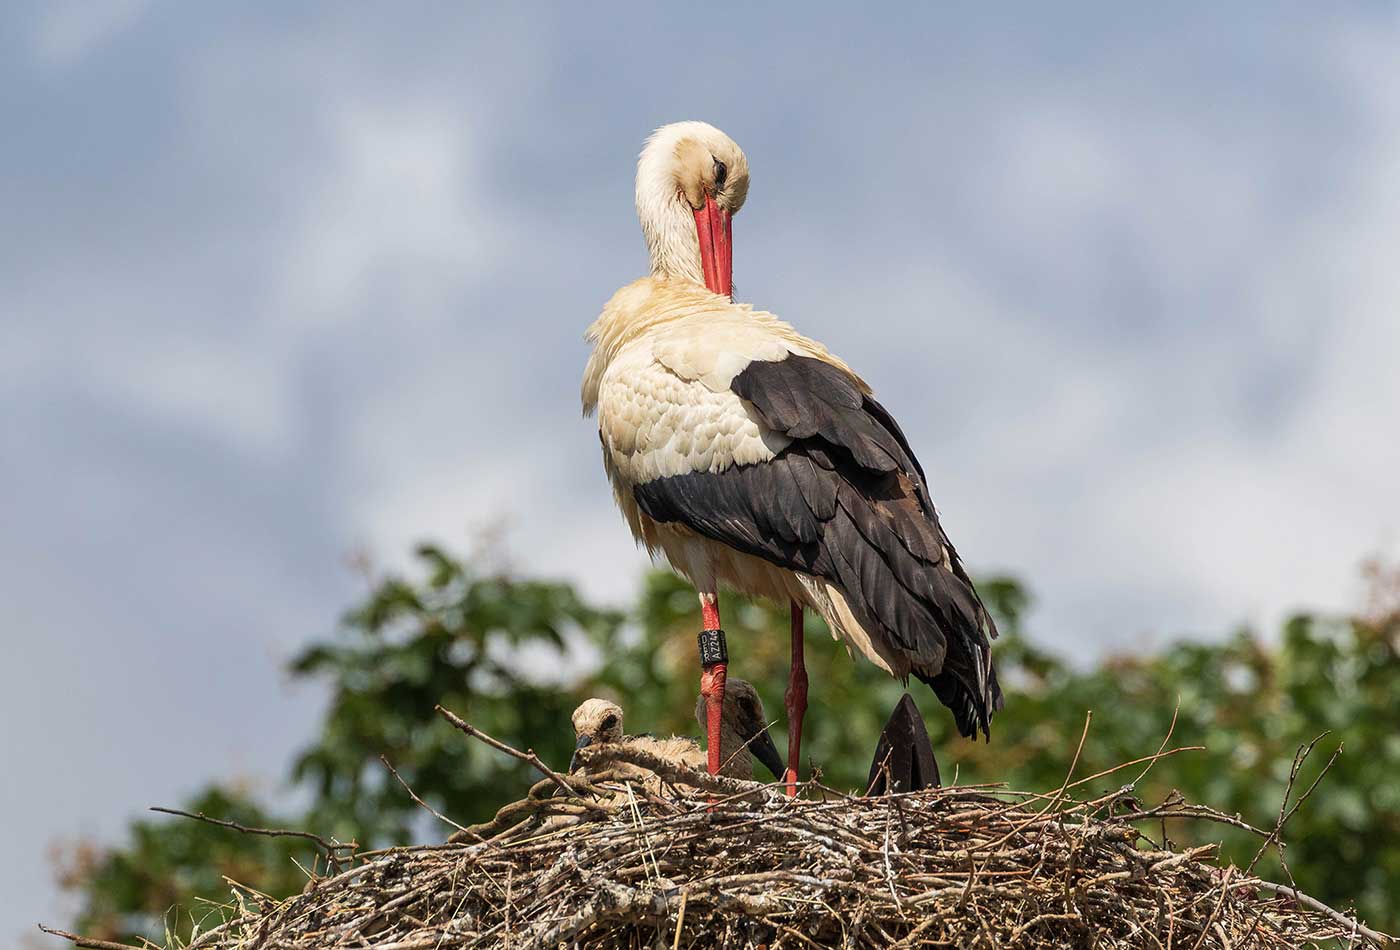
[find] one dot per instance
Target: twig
(1146, 758)
(673, 772)
(526, 756)
(1055, 799)
(680, 920)
(1171, 728)
(1042, 919)
(1215, 910)
(1312, 903)
(1285, 813)
(414, 795)
(86, 941)
(1028, 797)
(330, 848)
(1195, 811)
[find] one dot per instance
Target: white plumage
(750, 457)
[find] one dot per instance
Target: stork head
(596, 721)
(744, 724)
(691, 181)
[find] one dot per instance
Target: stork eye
(720, 172)
(609, 722)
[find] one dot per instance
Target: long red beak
(714, 228)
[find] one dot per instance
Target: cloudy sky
(283, 282)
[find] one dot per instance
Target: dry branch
(330, 850)
(710, 861)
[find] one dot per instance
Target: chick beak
(582, 743)
(763, 749)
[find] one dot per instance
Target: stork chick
(744, 728)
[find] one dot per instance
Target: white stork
(751, 457)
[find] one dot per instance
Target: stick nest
(684, 859)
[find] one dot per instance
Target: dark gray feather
(847, 501)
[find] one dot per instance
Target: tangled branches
(691, 860)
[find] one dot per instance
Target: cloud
(295, 283)
(393, 209)
(202, 324)
(68, 30)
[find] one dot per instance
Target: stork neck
(668, 224)
(674, 249)
(678, 270)
(678, 252)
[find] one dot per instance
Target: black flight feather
(847, 501)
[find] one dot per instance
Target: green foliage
(475, 644)
(1252, 705)
(170, 874)
(490, 648)
(512, 656)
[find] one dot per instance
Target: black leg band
(712, 648)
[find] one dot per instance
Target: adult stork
(752, 457)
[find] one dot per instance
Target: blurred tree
(171, 875)
(515, 656)
(488, 647)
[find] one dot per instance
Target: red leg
(712, 684)
(709, 611)
(795, 699)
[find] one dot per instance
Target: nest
(644, 852)
(685, 859)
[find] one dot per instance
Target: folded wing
(823, 482)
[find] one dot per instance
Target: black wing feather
(847, 501)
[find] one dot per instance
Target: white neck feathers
(668, 223)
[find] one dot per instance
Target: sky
(281, 284)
